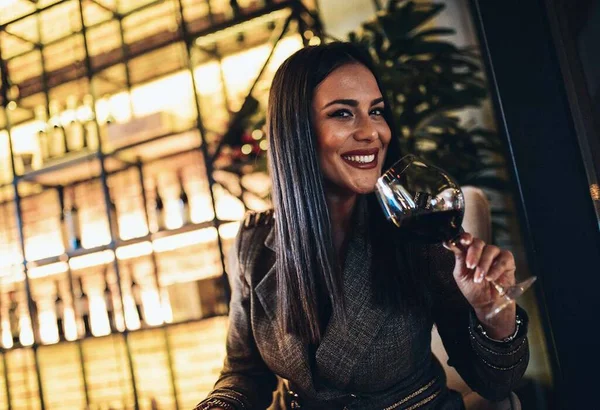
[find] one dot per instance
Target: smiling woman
(330, 305)
(353, 134)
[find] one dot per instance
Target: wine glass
(427, 203)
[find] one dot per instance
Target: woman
(330, 306)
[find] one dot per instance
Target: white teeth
(362, 159)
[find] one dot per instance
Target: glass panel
(152, 25)
(92, 210)
(41, 226)
(193, 176)
(67, 13)
(10, 249)
(6, 174)
(126, 194)
(198, 354)
(145, 304)
(94, 14)
(189, 264)
(107, 371)
(12, 9)
(24, 72)
(167, 60)
(24, 139)
(3, 398)
(19, 37)
(109, 82)
(132, 5)
(104, 44)
(149, 354)
(196, 15)
(24, 392)
(67, 55)
(62, 379)
(212, 97)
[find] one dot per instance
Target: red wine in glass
(427, 204)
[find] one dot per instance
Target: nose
(366, 130)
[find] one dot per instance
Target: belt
(418, 398)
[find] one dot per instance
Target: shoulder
(254, 219)
(252, 235)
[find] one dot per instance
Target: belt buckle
(295, 400)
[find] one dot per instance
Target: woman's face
(352, 133)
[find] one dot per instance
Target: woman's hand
(477, 264)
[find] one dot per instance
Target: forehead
(348, 81)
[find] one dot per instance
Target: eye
(377, 111)
(343, 113)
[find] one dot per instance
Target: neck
(340, 208)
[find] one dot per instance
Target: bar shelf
(135, 283)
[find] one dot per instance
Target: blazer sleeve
(490, 368)
(245, 381)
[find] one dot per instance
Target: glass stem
(499, 288)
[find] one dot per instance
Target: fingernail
(470, 265)
(477, 278)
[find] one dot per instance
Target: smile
(361, 159)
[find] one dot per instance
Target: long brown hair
(308, 277)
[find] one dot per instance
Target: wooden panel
(107, 372)
(3, 398)
(152, 369)
(62, 380)
(22, 379)
(198, 351)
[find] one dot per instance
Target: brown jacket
(380, 360)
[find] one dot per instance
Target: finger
(459, 244)
(504, 263)
(489, 254)
(465, 238)
(474, 253)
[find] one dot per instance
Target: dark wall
(539, 122)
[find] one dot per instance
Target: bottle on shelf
(88, 120)
(59, 310)
(42, 134)
(183, 202)
(136, 293)
(58, 137)
(235, 7)
(74, 128)
(114, 220)
(109, 302)
(159, 209)
(71, 225)
(35, 321)
(83, 308)
(110, 118)
(14, 318)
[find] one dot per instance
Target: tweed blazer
(380, 359)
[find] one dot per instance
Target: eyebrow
(350, 102)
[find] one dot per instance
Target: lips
(361, 159)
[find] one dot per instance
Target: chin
(364, 189)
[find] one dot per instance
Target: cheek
(329, 142)
(385, 135)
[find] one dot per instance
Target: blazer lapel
(294, 353)
(344, 344)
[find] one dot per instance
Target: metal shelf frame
(91, 68)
